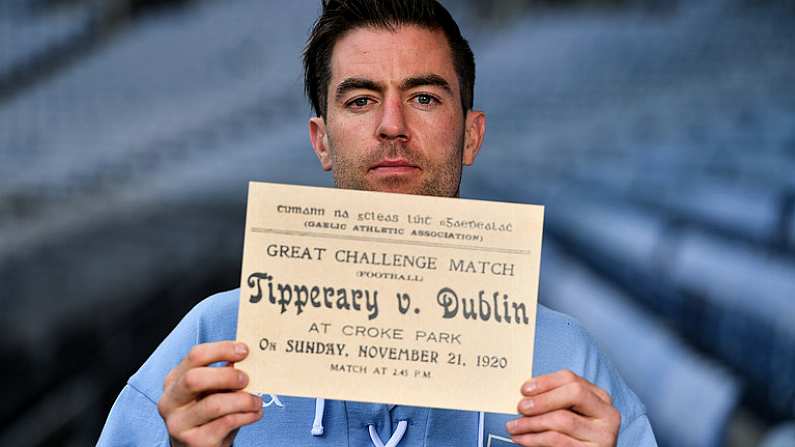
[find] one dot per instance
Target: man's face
(394, 120)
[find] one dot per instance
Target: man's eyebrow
(354, 84)
(426, 79)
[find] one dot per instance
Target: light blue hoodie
(289, 421)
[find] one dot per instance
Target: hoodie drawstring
(394, 440)
(480, 429)
(397, 436)
(317, 424)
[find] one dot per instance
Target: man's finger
(542, 384)
(578, 396)
(218, 431)
(562, 421)
(602, 394)
(221, 351)
(221, 428)
(205, 354)
(546, 439)
(198, 381)
(212, 407)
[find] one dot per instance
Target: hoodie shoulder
(562, 343)
(212, 319)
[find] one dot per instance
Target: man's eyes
(359, 102)
(423, 100)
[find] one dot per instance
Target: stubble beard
(441, 181)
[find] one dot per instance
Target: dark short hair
(341, 16)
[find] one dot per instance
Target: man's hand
(202, 405)
(563, 409)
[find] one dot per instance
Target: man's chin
(399, 184)
(386, 185)
(420, 189)
(400, 190)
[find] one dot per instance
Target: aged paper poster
(389, 298)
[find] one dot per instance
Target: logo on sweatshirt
(270, 399)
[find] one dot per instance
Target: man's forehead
(387, 55)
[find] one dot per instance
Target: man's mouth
(394, 167)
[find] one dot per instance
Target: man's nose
(393, 121)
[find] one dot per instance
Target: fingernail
(529, 387)
(509, 426)
(241, 378)
(527, 404)
(240, 349)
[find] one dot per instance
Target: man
(392, 85)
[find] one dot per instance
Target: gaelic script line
(389, 241)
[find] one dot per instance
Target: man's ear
(319, 138)
(475, 131)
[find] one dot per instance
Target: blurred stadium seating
(674, 382)
(780, 436)
(659, 135)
